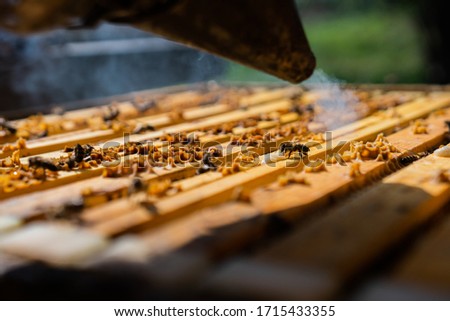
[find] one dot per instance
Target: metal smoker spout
(263, 34)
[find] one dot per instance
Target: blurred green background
(359, 41)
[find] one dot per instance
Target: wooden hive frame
(202, 219)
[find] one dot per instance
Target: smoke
(338, 105)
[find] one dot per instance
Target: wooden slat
(234, 237)
(52, 243)
(37, 148)
(328, 185)
(126, 109)
(424, 271)
(224, 189)
(101, 184)
(160, 120)
(159, 234)
(68, 177)
(9, 223)
(172, 236)
(334, 248)
(176, 173)
(185, 98)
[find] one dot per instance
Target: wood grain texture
(243, 234)
(344, 241)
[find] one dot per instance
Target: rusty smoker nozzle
(263, 34)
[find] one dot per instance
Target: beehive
(184, 193)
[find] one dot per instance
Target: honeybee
(143, 128)
(82, 152)
(42, 134)
(112, 114)
(149, 206)
(190, 139)
(136, 184)
(207, 163)
(408, 159)
(142, 107)
(39, 162)
(69, 212)
(294, 147)
(412, 157)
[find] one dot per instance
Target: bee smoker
(263, 34)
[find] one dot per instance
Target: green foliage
(363, 47)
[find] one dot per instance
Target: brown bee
(69, 212)
(7, 126)
(296, 108)
(309, 108)
(190, 139)
(406, 160)
(82, 153)
(136, 185)
(207, 163)
(143, 128)
(112, 114)
(301, 109)
(410, 158)
(42, 134)
(149, 206)
(142, 107)
(291, 147)
(39, 162)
